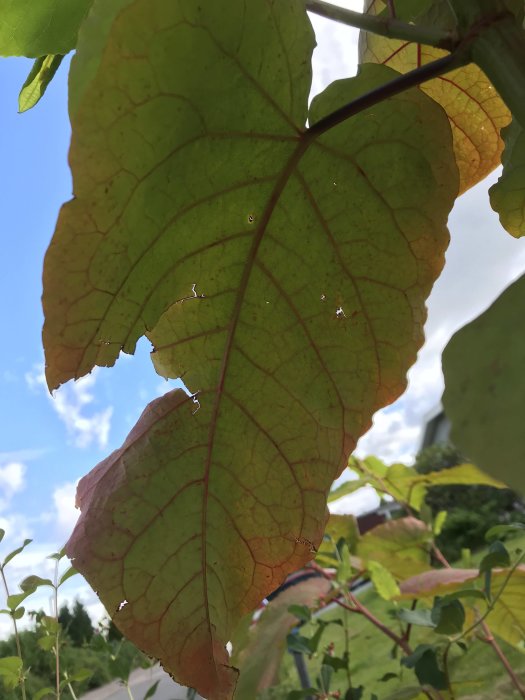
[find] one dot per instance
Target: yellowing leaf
(507, 619)
(345, 489)
(384, 583)
(266, 265)
(409, 487)
(337, 527)
(476, 112)
(401, 546)
(465, 474)
(436, 582)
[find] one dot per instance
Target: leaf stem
(17, 637)
(404, 82)
(57, 637)
(390, 27)
(360, 609)
(71, 691)
(447, 673)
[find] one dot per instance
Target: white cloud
(71, 402)
(66, 515)
(481, 261)
(335, 56)
(12, 479)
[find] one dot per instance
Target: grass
(475, 674)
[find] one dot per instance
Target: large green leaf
(485, 384)
(310, 260)
(476, 112)
(260, 658)
(39, 27)
(401, 546)
(507, 196)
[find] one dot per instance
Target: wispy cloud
(72, 403)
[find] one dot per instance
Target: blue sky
(45, 445)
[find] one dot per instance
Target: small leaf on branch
(448, 616)
(425, 664)
(41, 74)
(15, 553)
(422, 618)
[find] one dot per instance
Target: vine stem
(390, 26)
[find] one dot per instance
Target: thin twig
(57, 638)
(409, 80)
(17, 637)
(391, 8)
(360, 609)
(385, 26)
(406, 635)
(447, 673)
(490, 639)
(71, 691)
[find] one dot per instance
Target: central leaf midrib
(275, 195)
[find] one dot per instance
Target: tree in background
(77, 624)
(472, 509)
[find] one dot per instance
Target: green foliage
(484, 382)
(76, 624)
(271, 189)
(278, 256)
(41, 74)
(471, 509)
(36, 29)
(507, 196)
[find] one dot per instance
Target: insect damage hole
(194, 295)
(339, 312)
(122, 605)
(197, 403)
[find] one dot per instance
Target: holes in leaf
(306, 543)
(196, 402)
(251, 218)
(339, 312)
(323, 297)
(122, 605)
